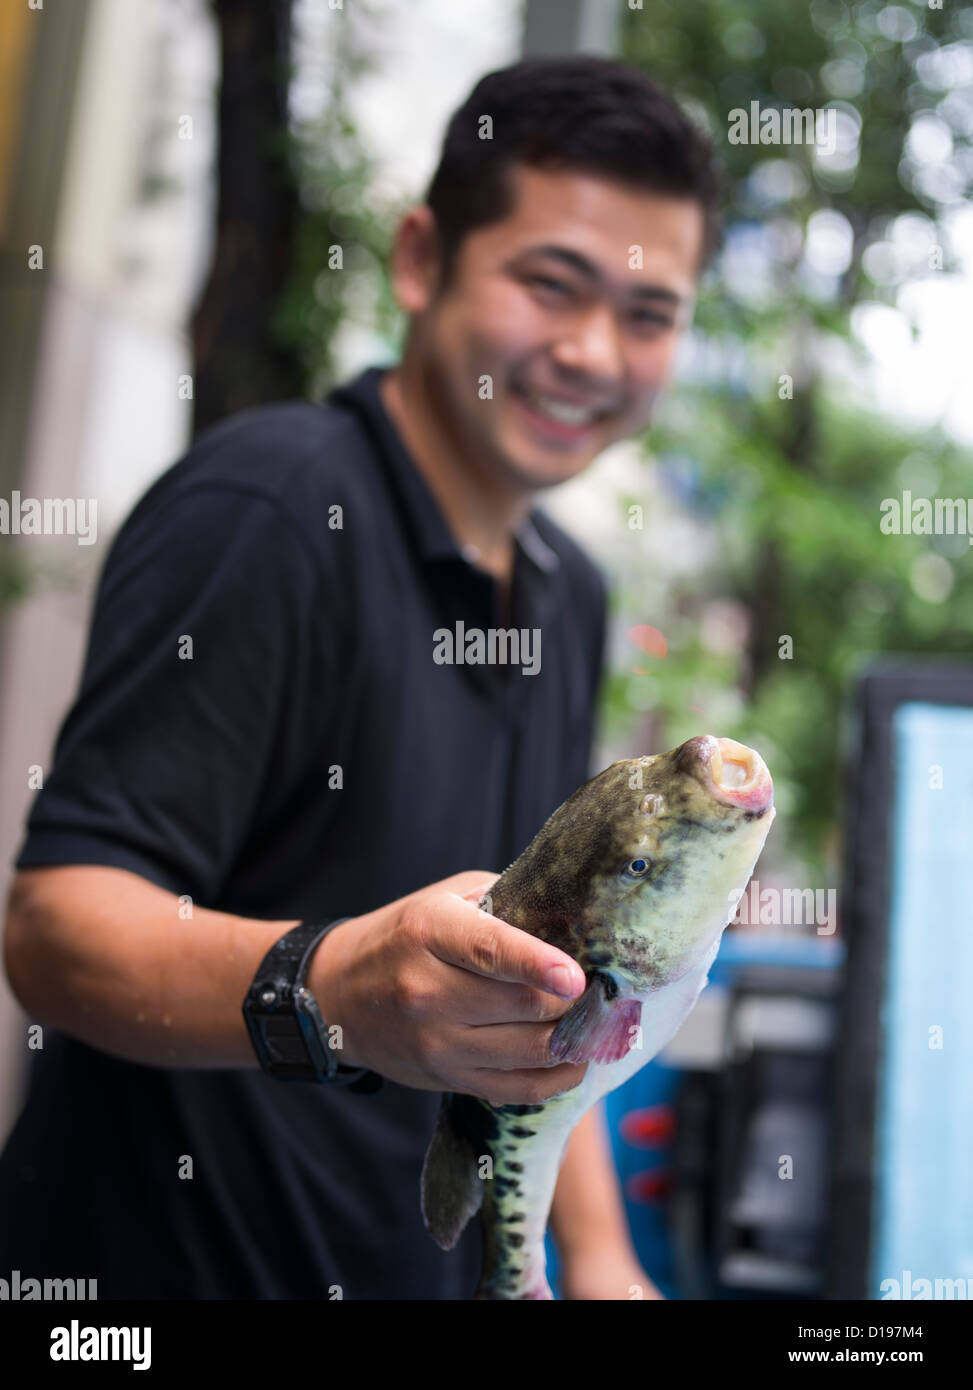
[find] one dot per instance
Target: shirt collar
(429, 527)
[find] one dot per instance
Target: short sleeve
(198, 635)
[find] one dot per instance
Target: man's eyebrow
(590, 271)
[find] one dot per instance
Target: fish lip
(707, 758)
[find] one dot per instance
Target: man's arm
(105, 955)
(426, 990)
(598, 1259)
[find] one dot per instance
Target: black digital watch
(289, 1036)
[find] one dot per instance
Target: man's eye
(651, 320)
(544, 282)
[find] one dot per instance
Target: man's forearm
(588, 1212)
(107, 956)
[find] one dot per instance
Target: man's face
(572, 306)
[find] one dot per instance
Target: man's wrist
(291, 1037)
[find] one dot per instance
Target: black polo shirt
(262, 724)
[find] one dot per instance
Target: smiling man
(568, 303)
(263, 746)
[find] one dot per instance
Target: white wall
(104, 417)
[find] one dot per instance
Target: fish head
(679, 835)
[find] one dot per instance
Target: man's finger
(459, 934)
(471, 1001)
(504, 1046)
(510, 1087)
(475, 894)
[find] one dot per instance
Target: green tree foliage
(339, 267)
(770, 441)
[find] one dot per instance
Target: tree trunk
(236, 361)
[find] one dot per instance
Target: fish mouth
(730, 771)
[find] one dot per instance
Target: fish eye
(638, 868)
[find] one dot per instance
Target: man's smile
(555, 417)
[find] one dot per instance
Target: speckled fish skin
(696, 818)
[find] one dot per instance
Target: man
(269, 732)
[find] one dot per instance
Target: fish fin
(598, 1027)
(451, 1188)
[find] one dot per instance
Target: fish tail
(502, 1161)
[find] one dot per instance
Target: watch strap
(289, 1035)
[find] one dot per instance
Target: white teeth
(561, 411)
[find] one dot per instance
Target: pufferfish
(635, 877)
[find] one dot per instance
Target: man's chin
(531, 474)
(546, 468)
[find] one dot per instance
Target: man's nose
(592, 346)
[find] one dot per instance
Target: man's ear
(416, 262)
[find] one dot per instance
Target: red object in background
(651, 1128)
(650, 639)
(651, 1186)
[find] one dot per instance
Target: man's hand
(435, 994)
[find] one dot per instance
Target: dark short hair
(590, 114)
